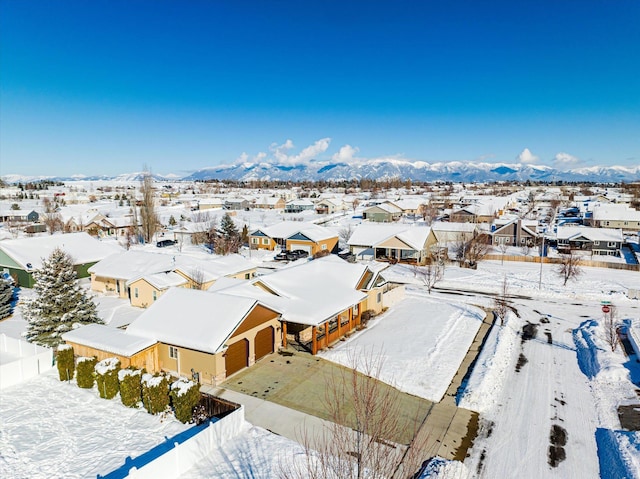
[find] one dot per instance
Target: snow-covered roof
(593, 234)
(453, 227)
(371, 234)
(387, 207)
(286, 229)
(108, 339)
(133, 264)
(615, 212)
(81, 247)
(193, 319)
(162, 281)
(309, 293)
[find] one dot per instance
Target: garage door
(303, 247)
(264, 342)
(237, 357)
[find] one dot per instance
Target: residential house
(476, 213)
(20, 257)
(393, 243)
(299, 205)
(270, 203)
(292, 235)
(205, 336)
(514, 232)
(614, 216)
(329, 206)
(382, 213)
(600, 241)
(18, 216)
(240, 204)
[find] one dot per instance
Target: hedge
(185, 395)
(65, 362)
(85, 368)
(107, 377)
(155, 393)
(130, 386)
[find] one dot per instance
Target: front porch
(315, 338)
(397, 255)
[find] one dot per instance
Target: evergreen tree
(6, 297)
(59, 304)
(229, 240)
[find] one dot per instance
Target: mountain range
(379, 170)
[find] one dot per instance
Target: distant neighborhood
(206, 280)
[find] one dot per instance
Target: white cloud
(345, 154)
(527, 157)
(280, 151)
(242, 158)
(281, 155)
(260, 156)
(565, 160)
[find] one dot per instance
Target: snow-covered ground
(564, 376)
(421, 342)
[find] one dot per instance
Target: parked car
(165, 243)
(282, 256)
(299, 253)
(287, 255)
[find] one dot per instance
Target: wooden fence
(547, 259)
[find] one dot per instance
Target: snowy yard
(50, 428)
(561, 377)
(421, 341)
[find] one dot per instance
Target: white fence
(20, 360)
(392, 296)
(184, 456)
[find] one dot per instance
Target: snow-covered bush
(85, 370)
(155, 393)
(130, 386)
(107, 377)
(185, 395)
(6, 297)
(65, 362)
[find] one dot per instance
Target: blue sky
(105, 87)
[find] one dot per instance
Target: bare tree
(503, 247)
(197, 278)
(148, 215)
(429, 274)
(428, 211)
(611, 327)
(501, 303)
(345, 232)
(364, 414)
(569, 267)
(51, 218)
(355, 204)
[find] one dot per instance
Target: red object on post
(606, 309)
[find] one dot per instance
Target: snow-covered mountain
(456, 171)
(414, 170)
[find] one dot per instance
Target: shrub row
(133, 384)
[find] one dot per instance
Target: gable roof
(81, 247)
(567, 233)
(106, 338)
(193, 319)
(310, 293)
(371, 234)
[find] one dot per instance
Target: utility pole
(541, 257)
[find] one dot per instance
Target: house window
(355, 310)
(265, 241)
(254, 240)
(612, 244)
(135, 292)
(155, 295)
(247, 276)
(379, 298)
(596, 243)
(173, 352)
(324, 246)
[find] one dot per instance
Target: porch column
(339, 328)
(314, 344)
(351, 318)
(284, 334)
(326, 334)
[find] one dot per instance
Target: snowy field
(50, 429)
(421, 342)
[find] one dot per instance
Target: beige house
(392, 243)
(201, 335)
